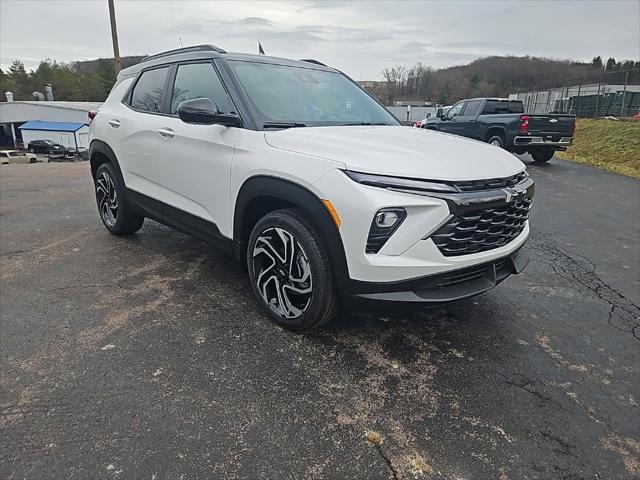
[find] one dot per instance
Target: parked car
(503, 123)
(45, 146)
(326, 201)
(15, 156)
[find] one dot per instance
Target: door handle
(166, 132)
(114, 123)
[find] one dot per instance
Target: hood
(400, 151)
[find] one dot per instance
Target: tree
(17, 80)
(611, 64)
(597, 62)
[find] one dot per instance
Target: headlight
(385, 222)
(399, 183)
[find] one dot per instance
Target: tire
(294, 285)
(542, 155)
(114, 212)
(33, 160)
(496, 140)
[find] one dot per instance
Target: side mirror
(439, 113)
(428, 114)
(204, 111)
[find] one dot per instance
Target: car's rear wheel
(116, 215)
(542, 155)
(290, 272)
(496, 140)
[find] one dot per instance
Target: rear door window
(148, 93)
(199, 80)
(472, 108)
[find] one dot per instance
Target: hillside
(493, 76)
(607, 144)
(92, 80)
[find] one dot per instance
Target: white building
(14, 114)
(69, 134)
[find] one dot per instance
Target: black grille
(461, 277)
(482, 229)
(491, 184)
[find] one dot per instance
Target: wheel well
(97, 159)
(495, 131)
(263, 194)
(257, 208)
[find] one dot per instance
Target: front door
(448, 123)
(195, 160)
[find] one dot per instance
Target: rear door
(133, 130)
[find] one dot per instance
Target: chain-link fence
(614, 94)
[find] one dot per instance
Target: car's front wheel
(290, 272)
(112, 204)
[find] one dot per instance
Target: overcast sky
(358, 37)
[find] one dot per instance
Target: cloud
(360, 38)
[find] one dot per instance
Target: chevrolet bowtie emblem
(553, 120)
(510, 194)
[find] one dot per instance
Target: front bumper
(433, 290)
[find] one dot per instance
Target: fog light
(386, 219)
(384, 224)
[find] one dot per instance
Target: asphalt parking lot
(147, 357)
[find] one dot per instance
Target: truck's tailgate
(551, 124)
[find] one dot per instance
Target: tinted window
(456, 110)
(502, 106)
(16, 154)
(516, 107)
(196, 81)
(282, 93)
(472, 108)
(147, 94)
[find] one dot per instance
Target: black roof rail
(311, 60)
(195, 48)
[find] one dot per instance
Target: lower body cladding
(434, 290)
(449, 246)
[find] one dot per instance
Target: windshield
(294, 96)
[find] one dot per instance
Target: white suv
(313, 186)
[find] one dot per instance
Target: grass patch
(611, 145)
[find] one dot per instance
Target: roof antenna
(260, 49)
(180, 38)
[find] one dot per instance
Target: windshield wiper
(361, 124)
(283, 124)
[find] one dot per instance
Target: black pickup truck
(503, 123)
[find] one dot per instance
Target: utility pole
(114, 37)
